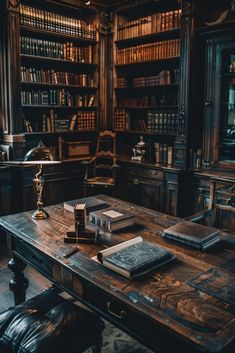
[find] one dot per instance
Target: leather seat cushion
(48, 323)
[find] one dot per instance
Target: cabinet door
(147, 194)
(219, 117)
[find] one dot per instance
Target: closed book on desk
(193, 234)
(111, 219)
(134, 257)
(92, 203)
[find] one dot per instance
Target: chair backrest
(222, 203)
(105, 156)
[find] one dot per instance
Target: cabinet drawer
(33, 257)
(142, 173)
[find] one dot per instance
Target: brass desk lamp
(39, 156)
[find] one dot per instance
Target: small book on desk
(193, 234)
(92, 203)
(134, 257)
(111, 219)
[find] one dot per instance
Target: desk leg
(19, 283)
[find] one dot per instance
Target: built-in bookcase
(58, 70)
(146, 79)
(56, 73)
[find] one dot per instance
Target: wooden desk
(161, 309)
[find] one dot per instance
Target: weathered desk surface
(160, 309)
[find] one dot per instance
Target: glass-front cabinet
(219, 104)
(227, 110)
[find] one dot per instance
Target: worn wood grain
(160, 308)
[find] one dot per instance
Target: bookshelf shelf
(123, 90)
(44, 59)
(27, 106)
(135, 65)
(55, 35)
(148, 38)
(58, 133)
(139, 132)
(149, 107)
(44, 84)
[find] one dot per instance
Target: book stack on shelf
(150, 51)
(162, 121)
(58, 97)
(157, 22)
(163, 153)
(50, 21)
(34, 75)
(56, 50)
(121, 120)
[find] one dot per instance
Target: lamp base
(40, 214)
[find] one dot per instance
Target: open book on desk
(134, 257)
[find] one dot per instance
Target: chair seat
(100, 181)
(48, 323)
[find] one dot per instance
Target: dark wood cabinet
(219, 108)
(141, 184)
(153, 186)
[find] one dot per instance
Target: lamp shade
(40, 155)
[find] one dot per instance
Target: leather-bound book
(193, 234)
(134, 257)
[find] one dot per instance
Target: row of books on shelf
(121, 120)
(56, 50)
(80, 121)
(165, 77)
(157, 22)
(147, 101)
(60, 97)
(163, 153)
(160, 121)
(35, 75)
(150, 51)
(50, 21)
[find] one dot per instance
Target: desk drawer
(124, 316)
(35, 258)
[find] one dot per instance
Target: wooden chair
(220, 212)
(101, 170)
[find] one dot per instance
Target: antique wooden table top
(186, 306)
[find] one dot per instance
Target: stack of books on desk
(111, 219)
(193, 234)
